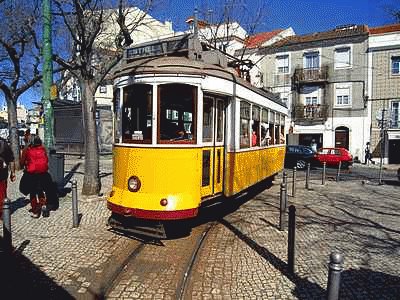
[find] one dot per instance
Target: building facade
(323, 79)
(384, 85)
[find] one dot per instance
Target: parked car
(332, 157)
(299, 156)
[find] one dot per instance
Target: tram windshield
(177, 106)
(137, 114)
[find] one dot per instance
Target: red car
(332, 157)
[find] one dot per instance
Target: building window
(311, 100)
(282, 63)
(311, 60)
(342, 58)
(343, 96)
(394, 115)
(396, 65)
(103, 89)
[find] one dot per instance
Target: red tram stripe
(152, 214)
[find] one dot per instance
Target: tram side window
(244, 124)
(255, 127)
(277, 128)
(208, 120)
(282, 135)
(220, 120)
(265, 137)
(271, 120)
(137, 114)
(177, 114)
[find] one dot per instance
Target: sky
(304, 16)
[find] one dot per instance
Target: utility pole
(47, 77)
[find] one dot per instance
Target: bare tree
(100, 30)
(227, 26)
(19, 57)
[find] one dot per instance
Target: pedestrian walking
(368, 155)
(6, 163)
(36, 181)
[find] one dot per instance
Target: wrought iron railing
(311, 112)
(311, 75)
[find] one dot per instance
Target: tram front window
(137, 114)
(177, 106)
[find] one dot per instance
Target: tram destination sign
(159, 48)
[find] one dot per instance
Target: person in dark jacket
(36, 180)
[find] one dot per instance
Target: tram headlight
(134, 184)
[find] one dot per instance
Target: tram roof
(184, 65)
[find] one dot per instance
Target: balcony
(310, 114)
(304, 76)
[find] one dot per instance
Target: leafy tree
(99, 31)
(19, 56)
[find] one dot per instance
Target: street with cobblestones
(244, 255)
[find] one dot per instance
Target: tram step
(145, 228)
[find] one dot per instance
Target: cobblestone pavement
(244, 257)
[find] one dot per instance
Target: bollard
(323, 173)
(7, 239)
(338, 171)
(285, 180)
(294, 182)
(335, 268)
(75, 217)
(308, 176)
(282, 207)
(291, 238)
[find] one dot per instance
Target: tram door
(213, 145)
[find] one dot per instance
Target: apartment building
(384, 91)
(323, 79)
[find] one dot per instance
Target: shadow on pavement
(367, 284)
(304, 289)
(19, 203)
(21, 279)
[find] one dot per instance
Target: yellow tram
(188, 129)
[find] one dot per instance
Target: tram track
(105, 288)
(182, 286)
(158, 268)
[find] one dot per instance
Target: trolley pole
(294, 182)
(47, 77)
(323, 173)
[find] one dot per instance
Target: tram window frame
(208, 119)
(255, 124)
(277, 128)
(282, 133)
(137, 114)
(264, 137)
(220, 120)
(183, 99)
(271, 122)
(244, 133)
(117, 115)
